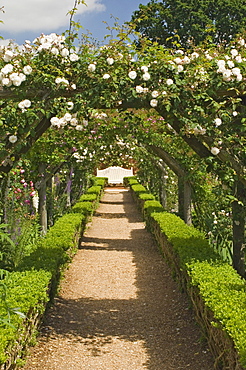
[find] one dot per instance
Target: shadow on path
(120, 304)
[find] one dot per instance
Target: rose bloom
(144, 69)
(27, 70)
(70, 105)
(155, 94)
(139, 89)
(169, 82)
(106, 76)
(7, 69)
(8, 56)
(91, 67)
(74, 57)
(132, 74)
(217, 122)
(153, 103)
(110, 61)
(65, 53)
(54, 121)
(215, 151)
(12, 139)
(234, 52)
(146, 76)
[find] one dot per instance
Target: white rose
(8, 56)
(234, 52)
(27, 103)
(65, 53)
(74, 122)
(12, 139)
(153, 103)
(236, 71)
(67, 117)
(73, 57)
(132, 74)
(217, 122)
(70, 105)
(144, 69)
(91, 67)
(154, 94)
(6, 82)
(54, 51)
(27, 70)
(106, 76)
(169, 82)
(180, 68)
(230, 63)
(215, 151)
(110, 61)
(54, 121)
(139, 89)
(146, 76)
(7, 69)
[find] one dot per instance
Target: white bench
(115, 174)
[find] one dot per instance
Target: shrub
(96, 189)
(146, 196)
(84, 207)
(138, 189)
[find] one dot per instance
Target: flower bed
(216, 290)
(35, 283)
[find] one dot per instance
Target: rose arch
(182, 110)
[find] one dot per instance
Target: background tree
(191, 21)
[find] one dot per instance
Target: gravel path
(118, 308)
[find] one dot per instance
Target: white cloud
(42, 15)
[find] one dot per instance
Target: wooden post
(238, 217)
(42, 200)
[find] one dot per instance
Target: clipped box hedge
(35, 283)
(216, 290)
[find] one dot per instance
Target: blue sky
(27, 19)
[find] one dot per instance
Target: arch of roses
(58, 95)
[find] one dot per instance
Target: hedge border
(217, 292)
(40, 275)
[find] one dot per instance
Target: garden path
(119, 308)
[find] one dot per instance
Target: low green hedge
(95, 189)
(26, 292)
(37, 278)
(146, 196)
(86, 208)
(138, 189)
(88, 197)
(130, 180)
(221, 289)
(99, 181)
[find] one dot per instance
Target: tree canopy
(190, 22)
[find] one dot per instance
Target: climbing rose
(91, 67)
(217, 122)
(144, 69)
(106, 76)
(27, 70)
(12, 139)
(146, 76)
(153, 103)
(74, 57)
(110, 61)
(65, 52)
(139, 89)
(132, 74)
(169, 82)
(215, 151)
(154, 94)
